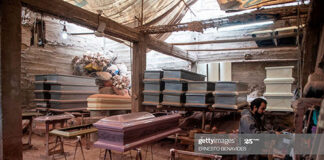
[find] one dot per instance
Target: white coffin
(278, 85)
(279, 72)
(279, 102)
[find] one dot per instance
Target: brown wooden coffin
(124, 132)
(108, 102)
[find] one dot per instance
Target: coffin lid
(232, 82)
(64, 84)
(183, 71)
(128, 118)
(64, 75)
(281, 67)
(230, 93)
(157, 71)
(109, 96)
(283, 95)
(278, 80)
(121, 122)
(201, 82)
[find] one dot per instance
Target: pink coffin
(128, 131)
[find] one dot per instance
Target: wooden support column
(311, 39)
(138, 68)
(10, 109)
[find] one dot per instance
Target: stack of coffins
(125, 132)
(278, 88)
(153, 87)
(199, 94)
(176, 84)
(63, 92)
(230, 95)
(106, 102)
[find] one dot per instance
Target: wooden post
(10, 109)
(311, 39)
(138, 68)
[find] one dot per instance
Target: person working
(251, 122)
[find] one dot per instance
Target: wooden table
(76, 131)
(29, 116)
(61, 119)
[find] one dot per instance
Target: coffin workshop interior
(162, 79)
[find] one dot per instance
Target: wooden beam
(235, 40)
(254, 16)
(82, 17)
(90, 20)
(138, 68)
(311, 39)
(262, 54)
(225, 49)
(240, 49)
(168, 49)
(263, 60)
(10, 99)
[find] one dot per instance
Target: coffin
(231, 86)
(175, 86)
(174, 98)
(200, 86)
(279, 72)
(153, 85)
(152, 97)
(108, 102)
(63, 79)
(62, 95)
(63, 105)
(155, 75)
(178, 75)
(199, 99)
(280, 102)
(230, 95)
(45, 85)
(125, 132)
(278, 85)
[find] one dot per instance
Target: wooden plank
(82, 17)
(236, 40)
(168, 49)
(10, 113)
(138, 68)
(252, 55)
